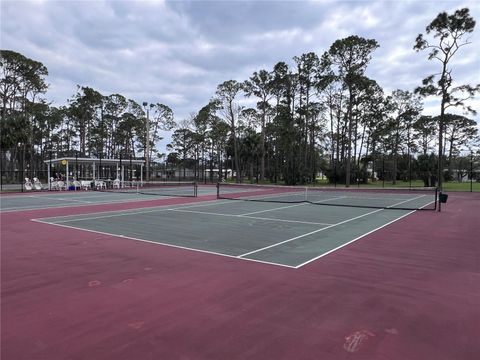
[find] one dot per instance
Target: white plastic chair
(37, 184)
(100, 184)
(116, 184)
(28, 184)
(61, 185)
(85, 184)
(53, 184)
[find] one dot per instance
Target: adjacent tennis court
(132, 193)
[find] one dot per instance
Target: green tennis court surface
(289, 235)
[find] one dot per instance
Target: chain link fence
(461, 174)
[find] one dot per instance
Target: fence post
(22, 169)
(383, 171)
(335, 172)
(117, 175)
(1, 169)
(50, 170)
(471, 172)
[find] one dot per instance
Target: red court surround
(408, 291)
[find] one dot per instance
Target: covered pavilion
(96, 167)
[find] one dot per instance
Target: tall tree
(162, 119)
(226, 93)
(459, 131)
(183, 139)
(260, 85)
(114, 106)
(219, 138)
(350, 57)
(370, 109)
(130, 129)
(22, 81)
(308, 68)
(83, 107)
(449, 35)
(406, 108)
(424, 132)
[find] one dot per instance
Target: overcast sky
(177, 52)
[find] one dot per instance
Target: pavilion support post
(67, 175)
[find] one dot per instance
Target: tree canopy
(318, 114)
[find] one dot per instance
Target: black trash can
(443, 198)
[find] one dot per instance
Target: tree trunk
(349, 140)
(262, 142)
(235, 145)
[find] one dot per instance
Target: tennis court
(55, 199)
(291, 233)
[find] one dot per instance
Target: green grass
(447, 186)
(457, 186)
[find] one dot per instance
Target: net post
(218, 190)
(195, 189)
(436, 198)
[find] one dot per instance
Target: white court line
(126, 212)
(55, 206)
(150, 210)
(164, 244)
(307, 234)
(249, 217)
(58, 198)
(279, 208)
(322, 229)
(290, 206)
(359, 237)
(351, 241)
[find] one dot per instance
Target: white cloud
(177, 52)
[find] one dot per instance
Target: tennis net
(161, 188)
(377, 198)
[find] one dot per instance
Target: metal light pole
(147, 141)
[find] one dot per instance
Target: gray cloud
(177, 52)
